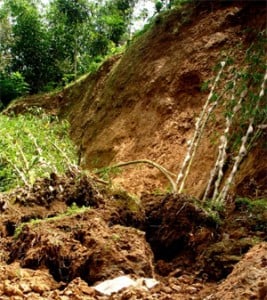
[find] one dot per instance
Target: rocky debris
(80, 247)
(248, 279)
(83, 245)
(71, 187)
(17, 283)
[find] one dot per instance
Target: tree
(6, 39)
(29, 50)
(66, 23)
(12, 86)
(68, 40)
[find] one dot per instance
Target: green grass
(259, 205)
(72, 210)
(33, 145)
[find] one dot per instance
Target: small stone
(68, 293)
(198, 285)
(39, 287)
(176, 273)
(32, 296)
(191, 290)
(11, 290)
(185, 279)
(176, 288)
(88, 290)
(167, 289)
(25, 287)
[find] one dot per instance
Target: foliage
(245, 110)
(29, 50)
(259, 205)
(53, 46)
(256, 209)
(32, 146)
(11, 86)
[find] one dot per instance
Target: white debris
(115, 285)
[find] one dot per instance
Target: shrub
(33, 146)
(11, 86)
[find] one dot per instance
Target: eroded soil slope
(66, 234)
(144, 104)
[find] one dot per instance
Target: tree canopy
(47, 48)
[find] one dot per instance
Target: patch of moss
(253, 205)
(74, 209)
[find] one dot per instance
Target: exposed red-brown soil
(51, 249)
(67, 233)
(144, 103)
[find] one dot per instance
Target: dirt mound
(248, 279)
(174, 222)
(68, 248)
(83, 246)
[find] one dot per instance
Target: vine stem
(164, 171)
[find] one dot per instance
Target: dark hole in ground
(168, 253)
(10, 227)
(28, 218)
(60, 272)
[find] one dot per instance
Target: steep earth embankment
(67, 233)
(144, 104)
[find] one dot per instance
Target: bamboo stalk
(182, 175)
(242, 150)
(229, 121)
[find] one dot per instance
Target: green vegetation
(72, 210)
(32, 146)
(258, 205)
(47, 48)
(12, 85)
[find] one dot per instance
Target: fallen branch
(164, 171)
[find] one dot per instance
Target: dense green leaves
(12, 86)
(29, 50)
(52, 46)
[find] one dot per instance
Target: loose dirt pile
(67, 233)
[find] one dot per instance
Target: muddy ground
(68, 233)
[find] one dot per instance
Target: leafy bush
(11, 86)
(33, 146)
